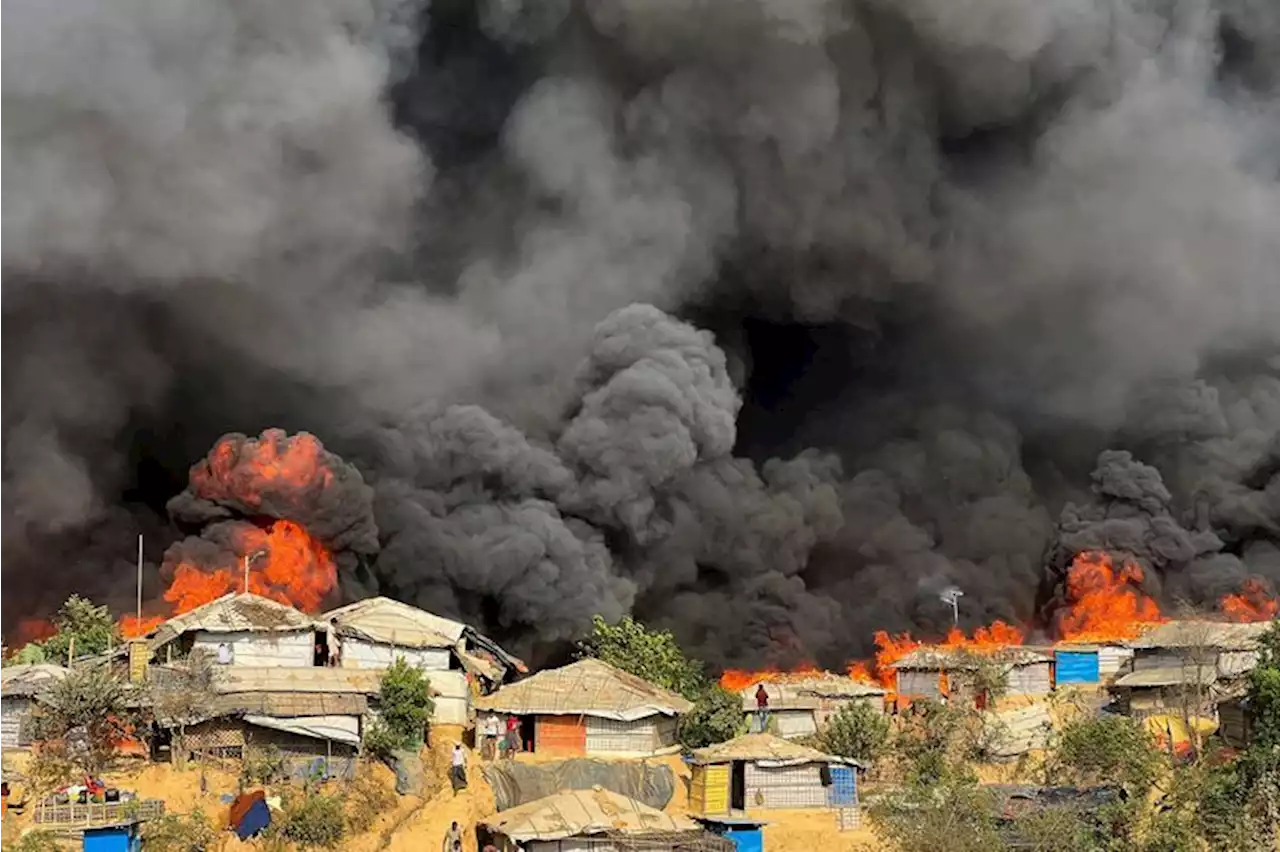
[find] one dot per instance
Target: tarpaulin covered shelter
(764, 771)
(20, 688)
(590, 707)
(596, 819)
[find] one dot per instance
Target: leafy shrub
(1106, 750)
(716, 716)
(952, 817)
(314, 821)
(264, 765)
(38, 840)
(367, 797)
(178, 832)
(857, 731)
(650, 654)
(405, 707)
(378, 739)
(89, 709)
(92, 628)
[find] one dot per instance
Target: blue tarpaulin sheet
(255, 819)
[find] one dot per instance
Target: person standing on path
(452, 838)
(458, 771)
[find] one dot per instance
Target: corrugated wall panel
(1076, 667)
(278, 650)
(358, 654)
(1031, 679)
(453, 698)
(615, 736)
(1144, 660)
(667, 727)
(844, 787)
(1236, 663)
(1111, 658)
(709, 789)
(794, 723)
(566, 735)
(785, 786)
(11, 712)
(918, 684)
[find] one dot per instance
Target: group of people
(453, 841)
(505, 743)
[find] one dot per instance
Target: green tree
(1108, 749)
(91, 710)
(857, 731)
(313, 821)
(650, 654)
(1264, 692)
(951, 817)
(405, 707)
(92, 628)
(716, 716)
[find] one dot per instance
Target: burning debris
(276, 515)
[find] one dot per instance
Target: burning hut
(800, 706)
(590, 707)
(20, 687)
(239, 629)
(764, 771)
(596, 820)
(373, 633)
(937, 673)
(1181, 666)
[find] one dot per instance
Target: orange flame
(1104, 602)
(33, 630)
(1254, 603)
(293, 568)
(737, 680)
(243, 470)
(889, 649)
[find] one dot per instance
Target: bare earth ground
(417, 824)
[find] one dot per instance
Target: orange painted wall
(560, 735)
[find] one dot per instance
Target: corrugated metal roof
(588, 687)
(809, 693)
(28, 681)
(339, 729)
(233, 613)
(229, 679)
(958, 659)
(1203, 634)
(394, 623)
(575, 813)
(1169, 676)
(765, 749)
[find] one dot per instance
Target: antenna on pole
(139, 613)
(952, 596)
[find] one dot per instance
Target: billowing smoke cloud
(987, 284)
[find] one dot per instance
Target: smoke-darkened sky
(767, 321)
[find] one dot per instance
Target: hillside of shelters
(281, 707)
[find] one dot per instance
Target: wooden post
(139, 578)
(71, 651)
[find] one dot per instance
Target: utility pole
(247, 560)
(139, 613)
(952, 596)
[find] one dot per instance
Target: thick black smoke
(989, 282)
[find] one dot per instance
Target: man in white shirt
(224, 654)
(458, 771)
(492, 729)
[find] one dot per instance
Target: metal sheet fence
(639, 736)
(785, 786)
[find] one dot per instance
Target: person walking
(513, 736)
(458, 770)
(452, 839)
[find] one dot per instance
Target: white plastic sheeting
(339, 729)
(259, 649)
(359, 654)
